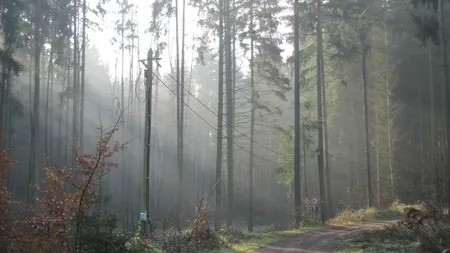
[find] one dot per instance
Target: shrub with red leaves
(69, 196)
(8, 230)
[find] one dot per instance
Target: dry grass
(349, 216)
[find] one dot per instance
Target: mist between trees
(223, 112)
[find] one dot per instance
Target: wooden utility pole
(145, 201)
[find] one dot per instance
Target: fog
(405, 115)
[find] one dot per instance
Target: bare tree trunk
(321, 71)
(389, 118)
(60, 113)
(3, 100)
(432, 109)
(66, 137)
(233, 34)
(432, 102)
(422, 136)
(218, 183)
(47, 99)
(297, 149)
(179, 121)
(446, 109)
(182, 85)
(8, 119)
(124, 177)
(378, 160)
(75, 85)
(366, 121)
(252, 120)
(229, 120)
(320, 155)
(305, 169)
(83, 78)
(32, 176)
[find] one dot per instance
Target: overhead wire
(190, 93)
(224, 121)
(210, 125)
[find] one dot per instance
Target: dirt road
(319, 241)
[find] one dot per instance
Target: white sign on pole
(315, 201)
(143, 216)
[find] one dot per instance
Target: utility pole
(145, 201)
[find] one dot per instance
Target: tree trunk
(353, 170)
(47, 99)
(432, 108)
(66, 118)
(178, 97)
(32, 176)
(252, 121)
(181, 85)
(421, 137)
(75, 85)
(389, 117)
(229, 120)
(320, 155)
(218, 183)
(83, 78)
(124, 187)
(305, 170)
(321, 71)
(233, 34)
(8, 131)
(3, 99)
(378, 160)
(366, 120)
(61, 106)
(446, 109)
(297, 148)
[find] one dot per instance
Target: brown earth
(319, 241)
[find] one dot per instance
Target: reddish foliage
(200, 223)
(66, 196)
(8, 231)
(69, 195)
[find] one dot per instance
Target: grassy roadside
(255, 240)
(252, 241)
(388, 239)
(347, 217)
(384, 240)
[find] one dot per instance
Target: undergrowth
(421, 231)
(240, 242)
(389, 239)
(349, 216)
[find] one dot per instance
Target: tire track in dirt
(319, 241)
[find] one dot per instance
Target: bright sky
(101, 39)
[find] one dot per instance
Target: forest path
(319, 241)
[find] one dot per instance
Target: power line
(224, 121)
(214, 128)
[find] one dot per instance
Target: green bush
(232, 236)
(100, 235)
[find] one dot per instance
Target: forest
(124, 122)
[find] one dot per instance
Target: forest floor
(308, 239)
(321, 238)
